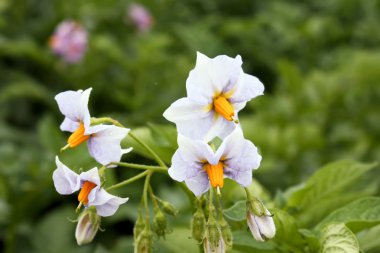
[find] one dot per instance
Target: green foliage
(319, 64)
(337, 238)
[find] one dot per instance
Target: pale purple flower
(140, 16)
(199, 166)
(103, 141)
(69, 41)
(217, 89)
(262, 227)
(67, 182)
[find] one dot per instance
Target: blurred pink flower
(140, 17)
(69, 41)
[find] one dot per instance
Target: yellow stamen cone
(85, 191)
(224, 108)
(215, 174)
(77, 137)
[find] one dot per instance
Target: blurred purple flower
(140, 17)
(69, 41)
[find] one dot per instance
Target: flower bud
(139, 227)
(159, 223)
(169, 208)
(262, 226)
(143, 244)
(226, 232)
(87, 227)
(198, 225)
(213, 243)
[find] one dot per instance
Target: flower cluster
(140, 17)
(217, 89)
(69, 41)
(103, 143)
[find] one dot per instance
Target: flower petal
(195, 150)
(69, 125)
(73, 104)
(247, 87)
(104, 143)
(192, 119)
(65, 180)
(241, 157)
(198, 184)
(220, 128)
(91, 176)
(199, 85)
(105, 203)
(225, 71)
(181, 169)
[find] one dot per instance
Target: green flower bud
(226, 232)
(198, 225)
(213, 243)
(87, 227)
(169, 208)
(255, 206)
(144, 241)
(160, 223)
(139, 226)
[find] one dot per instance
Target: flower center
(224, 108)
(86, 189)
(77, 137)
(215, 174)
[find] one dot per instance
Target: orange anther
(86, 189)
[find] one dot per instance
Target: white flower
(262, 227)
(103, 141)
(199, 166)
(217, 89)
(67, 182)
(220, 247)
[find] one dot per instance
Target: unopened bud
(212, 233)
(160, 223)
(143, 244)
(139, 226)
(262, 226)
(226, 232)
(213, 242)
(198, 225)
(169, 208)
(87, 227)
(256, 206)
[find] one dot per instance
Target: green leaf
(237, 212)
(326, 185)
(287, 232)
(358, 215)
(243, 240)
(369, 240)
(337, 238)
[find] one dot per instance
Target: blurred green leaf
(358, 215)
(337, 238)
(237, 212)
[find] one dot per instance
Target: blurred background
(319, 62)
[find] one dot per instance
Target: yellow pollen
(86, 189)
(77, 137)
(224, 108)
(215, 174)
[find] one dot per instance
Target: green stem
(130, 180)
(141, 166)
(154, 198)
(248, 192)
(95, 121)
(219, 205)
(151, 151)
(210, 204)
(145, 193)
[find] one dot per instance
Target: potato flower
(217, 89)
(103, 141)
(199, 166)
(67, 182)
(69, 41)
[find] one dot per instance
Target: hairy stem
(130, 180)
